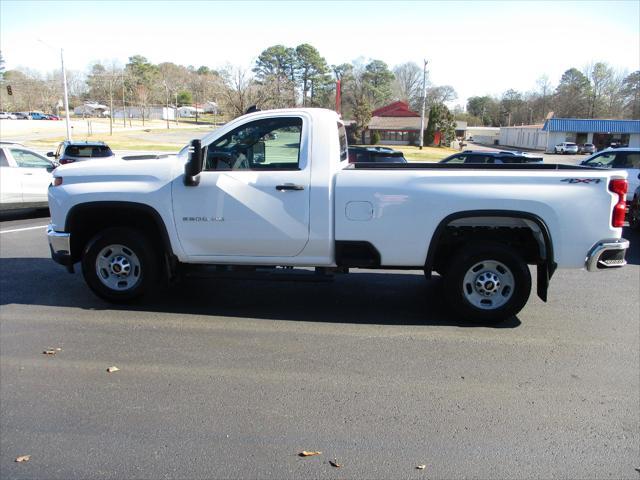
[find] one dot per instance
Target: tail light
(64, 161)
(619, 187)
(57, 181)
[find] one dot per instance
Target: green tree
(311, 70)
(377, 80)
(631, 94)
(185, 98)
(572, 95)
(142, 77)
(276, 67)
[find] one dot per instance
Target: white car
(619, 158)
(566, 147)
(7, 115)
(25, 177)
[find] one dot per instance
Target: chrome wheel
(488, 284)
(118, 267)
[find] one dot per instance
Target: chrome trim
(593, 257)
(60, 242)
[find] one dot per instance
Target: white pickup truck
(273, 190)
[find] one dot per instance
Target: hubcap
(118, 267)
(488, 284)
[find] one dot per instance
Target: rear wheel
(120, 264)
(487, 283)
(634, 214)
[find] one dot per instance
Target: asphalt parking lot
(231, 379)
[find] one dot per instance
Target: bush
(375, 137)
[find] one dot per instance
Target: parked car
(38, 116)
(70, 151)
(7, 116)
(25, 176)
(634, 209)
(566, 147)
(587, 148)
(623, 158)
(51, 116)
(482, 156)
(22, 115)
(375, 155)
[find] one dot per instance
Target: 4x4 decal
(581, 180)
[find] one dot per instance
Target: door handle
(289, 186)
(27, 173)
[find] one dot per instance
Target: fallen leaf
(334, 463)
(50, 351)
(421, 467)
(23, 458)
(304, 453)
(112, 369)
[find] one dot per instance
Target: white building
(483, 135)
(92, 109)
(601, 133)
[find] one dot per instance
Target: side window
(3, 159)
(26, 159)
(627, 160)
(267, 144)
(458, 159)
(603, 160)
(478, 159)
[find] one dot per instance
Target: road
(231, 379)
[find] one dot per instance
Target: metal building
(601, 133)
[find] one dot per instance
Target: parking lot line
(22, 229)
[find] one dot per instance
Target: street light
(64, 84)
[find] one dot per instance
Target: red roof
(395, 109)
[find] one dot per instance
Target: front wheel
(487, 282)
(120, 264)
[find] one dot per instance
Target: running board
(232, 272)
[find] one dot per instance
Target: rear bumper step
(607, 254)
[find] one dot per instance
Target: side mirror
(50, 154)
(193, 167)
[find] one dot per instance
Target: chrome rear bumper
(607, 254)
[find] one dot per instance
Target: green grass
(427, 154)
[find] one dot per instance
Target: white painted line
(22, 229)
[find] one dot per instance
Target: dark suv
(375, 154)
(479, 156)
(70, 152)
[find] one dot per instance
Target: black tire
(131, 253)
(634, 214)
(511, 288)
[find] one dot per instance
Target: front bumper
(607, 254)
(60, 246)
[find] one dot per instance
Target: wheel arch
(85, 219)
(545, 262)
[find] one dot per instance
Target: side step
(240, 272)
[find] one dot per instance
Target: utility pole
(111, 104)
(167, 95)
(424, 102)
(66, 94)
(124, 108)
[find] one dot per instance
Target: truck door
(253, 195)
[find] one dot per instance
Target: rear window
(88, 151)
(344, 148)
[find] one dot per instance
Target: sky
(478, 47)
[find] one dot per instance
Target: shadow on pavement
(633, 254)
(24, 214)
(358, 298)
